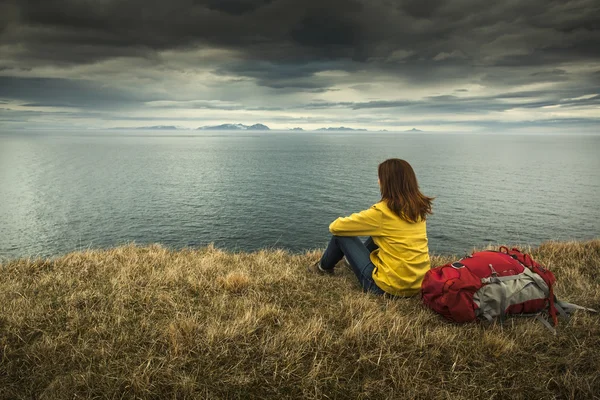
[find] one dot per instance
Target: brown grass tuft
(149, 322)
(235, 282)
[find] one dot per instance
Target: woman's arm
(364, 223)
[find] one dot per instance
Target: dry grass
(148, 322)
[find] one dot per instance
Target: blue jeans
(357, 253)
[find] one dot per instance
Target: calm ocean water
(61, 192)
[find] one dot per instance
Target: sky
(434, 65)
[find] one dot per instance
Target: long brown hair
(400, 190)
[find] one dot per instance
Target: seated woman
(395, 257)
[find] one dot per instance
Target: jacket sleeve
(364, 223)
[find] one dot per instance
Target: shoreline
(482, 246)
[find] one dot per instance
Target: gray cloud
(327, 30)
(309, 30)
(57, 92)
(454, 104)
(281, 75)
(236, 7)
(283, 46)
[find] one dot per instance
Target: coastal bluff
(151, 322)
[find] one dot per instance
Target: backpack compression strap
(546, 275)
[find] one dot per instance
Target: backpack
(493, 284)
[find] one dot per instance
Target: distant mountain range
(261, 127)
(235, 127)
(242, 127)
(413, 130)
(340, 128)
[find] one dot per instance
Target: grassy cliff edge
(149, 322)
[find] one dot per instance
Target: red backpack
(490, 284)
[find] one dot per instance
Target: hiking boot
(317, 269)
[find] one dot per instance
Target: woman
(395, 257)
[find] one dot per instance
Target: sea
(64, 191)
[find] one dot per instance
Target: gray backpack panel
(501, 292)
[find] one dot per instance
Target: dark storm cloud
(280, 75)
(236, 7)
(326, 30)
(421, 8)
(302, 30)
(72, 31)
(285, 45)
(58, 92)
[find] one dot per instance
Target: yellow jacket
(402, 258)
